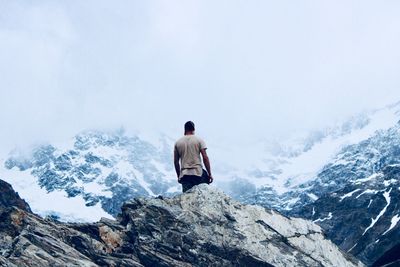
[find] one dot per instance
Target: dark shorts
(188, 181)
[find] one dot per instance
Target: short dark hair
(189, 126)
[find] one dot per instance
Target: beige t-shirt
(188, 148)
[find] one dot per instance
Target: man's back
(187, 159)
(188, 148)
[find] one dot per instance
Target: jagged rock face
(8, 197)
(353, 162)
(363, 217)
(358, 197)
(354, 198)
(200, 228)
(206, 227)
(28, 240)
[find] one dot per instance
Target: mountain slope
(98, 172)
(200, 228)
(93, 176)
(286, 167)
(354, 196)
(358, 197)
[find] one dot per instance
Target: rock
(205, 227)
(362, 218)
(8, 197)
(202, 227)
(390, 258)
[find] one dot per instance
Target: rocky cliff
(10, 198)
(203, 227)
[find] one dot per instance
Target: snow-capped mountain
(355, 195)
(91, 176)
(362, 217)
(97, 171)
(288, 173)
(325, 176)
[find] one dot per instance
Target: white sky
(242, 70)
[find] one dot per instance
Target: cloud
(240, 70)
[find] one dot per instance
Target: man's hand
(206, 162)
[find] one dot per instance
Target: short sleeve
(202, 144)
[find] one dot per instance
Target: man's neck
(189, 133)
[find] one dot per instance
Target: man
(187, 150)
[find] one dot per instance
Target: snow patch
(386, 183)
(387, 198)
(324, 219)
(125, 169)
(394, 222)
(53, 203)
(349, 194)
(291, 202)
(312, 196)
(368, 191)
(352, 247)
(97, 189)
(372, 177)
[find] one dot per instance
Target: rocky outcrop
(202, 227)
(206, 227)
(8, 197)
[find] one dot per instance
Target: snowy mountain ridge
(298, 160)
(344, 178)
(354, 197)
(97, 174)
(97, 171)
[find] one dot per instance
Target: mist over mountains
(289, 96)
(100, 166)
(344, 178)
(68, 66)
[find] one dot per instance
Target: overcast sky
(240, 69)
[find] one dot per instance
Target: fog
(241, 70)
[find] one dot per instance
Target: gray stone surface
(202, 227)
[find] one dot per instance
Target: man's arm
(206, 162)
(176, 163)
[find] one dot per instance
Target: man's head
(189, 127)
